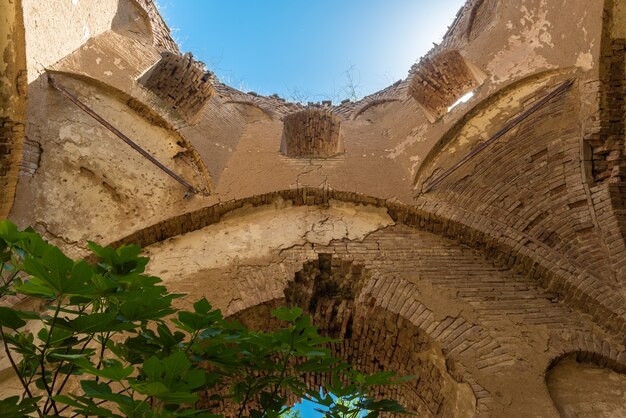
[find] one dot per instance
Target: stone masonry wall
(181, 82)
(314, 132)
(440, 80)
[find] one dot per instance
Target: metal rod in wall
(72, 97)
(510, 125)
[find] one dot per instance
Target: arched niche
(139, 106)
(587, 385)
(372, 338)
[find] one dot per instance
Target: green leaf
(12, 407)
(35, 286)
(202, 306)
(287, 314)
(96, 322)
(10, 319)
(95, 389)
(153, 369)
(8, 231)
(176, 364)
(151, 388)
(111, 369)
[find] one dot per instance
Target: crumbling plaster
(524, 327)
(84, 168)
(13, 89)
(256, 233)
(515, 260)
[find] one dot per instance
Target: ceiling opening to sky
(309, 50)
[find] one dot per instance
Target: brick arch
(381, 325)
(578, 289)
(12, 102)
(147, 112)
(591, 348)
(521, 181)
(568, 381)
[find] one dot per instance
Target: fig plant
(104, 339)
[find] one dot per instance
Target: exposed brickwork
(13, 90)
(440, 80)
(161, 33)
(313, 132)
(11, 138)
(277, 107)
(182, 82)
(391, 271)
(578, 289)
(605, 136)
(609, 161)
(609, 201)
(535, 185)
(30, 158)
(273, 105)
(590, 348)
(372, 337)
(487, 279)
(350, 110)
(481, 17)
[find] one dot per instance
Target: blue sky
(305, 49)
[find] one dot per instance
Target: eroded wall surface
(486, 321)
(12, 100)
(487, 238)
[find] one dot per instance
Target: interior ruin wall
(510, 269)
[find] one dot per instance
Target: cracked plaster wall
(451, 291)
(91, 185)
(519, 45)
(256, 233)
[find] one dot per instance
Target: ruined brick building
(481, 247)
